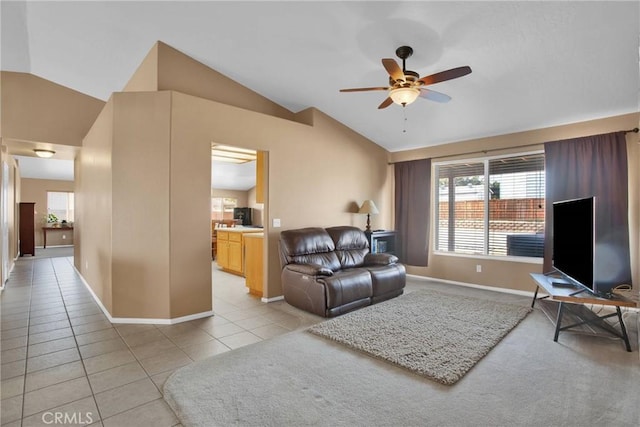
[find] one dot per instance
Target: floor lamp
(368, 207)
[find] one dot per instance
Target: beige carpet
(430, 333)
(300, 379)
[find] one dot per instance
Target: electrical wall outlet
(478, 268)
(64, 236)
(276, 222)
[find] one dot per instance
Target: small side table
(382, 241)
(44, 233)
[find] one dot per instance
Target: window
(222, 207)
(60, 206)
(492, 206)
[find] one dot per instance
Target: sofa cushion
(311, 245)
(351, 245)
(346, 286)
(380, 259)
(387, 281)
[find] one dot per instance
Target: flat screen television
(574, 241)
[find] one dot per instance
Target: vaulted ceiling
(535, 64)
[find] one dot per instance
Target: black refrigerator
(243, 215)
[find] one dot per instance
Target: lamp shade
(368, 207)
(404, 95)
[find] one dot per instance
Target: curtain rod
(635, 130)
(478, 152)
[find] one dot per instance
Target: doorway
(238, 206)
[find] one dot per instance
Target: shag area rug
(436, 335)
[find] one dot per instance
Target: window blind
(516, 207)
(461, 212)
(61, 204)
(491, 206)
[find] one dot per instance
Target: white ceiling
(233, 176)
(37, 168)
(535, 64)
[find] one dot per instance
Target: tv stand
(579, 291)
(572, 309)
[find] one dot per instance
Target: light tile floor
(63, 362)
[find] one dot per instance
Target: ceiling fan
(405, 86)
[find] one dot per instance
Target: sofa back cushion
(311, 245)
(351, 245)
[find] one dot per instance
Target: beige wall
(165, 68)
(145, 78)
(94, 200)
(35, 190)
(511, 274)
(140, 217)
(37, 113)
(136, 187)
(37, 110)
(12, 188)
(190, 257)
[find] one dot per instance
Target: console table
(45, 229)
(571, 308)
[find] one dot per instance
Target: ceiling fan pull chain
(404, 114)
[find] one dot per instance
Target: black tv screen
(574, 240)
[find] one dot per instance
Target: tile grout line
(73, 332)
(26, 352)
(63, 290)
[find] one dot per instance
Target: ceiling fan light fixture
(404, 95)
(45, 154)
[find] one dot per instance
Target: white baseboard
(272, 299)
(473, 285)
(140, 320)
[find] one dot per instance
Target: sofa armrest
(310, 269)
(380, 259)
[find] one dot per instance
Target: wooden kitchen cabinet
(230, 243)
(260, 168)
(222, 249)
(254, 263)
(235, 253)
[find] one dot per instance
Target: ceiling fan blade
(385, 103)
(442, 76)
(393, 69)
(432, 95)
(363, 89)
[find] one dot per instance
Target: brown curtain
(593, 166)
(412, 199)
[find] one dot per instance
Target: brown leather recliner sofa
(330, 271)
